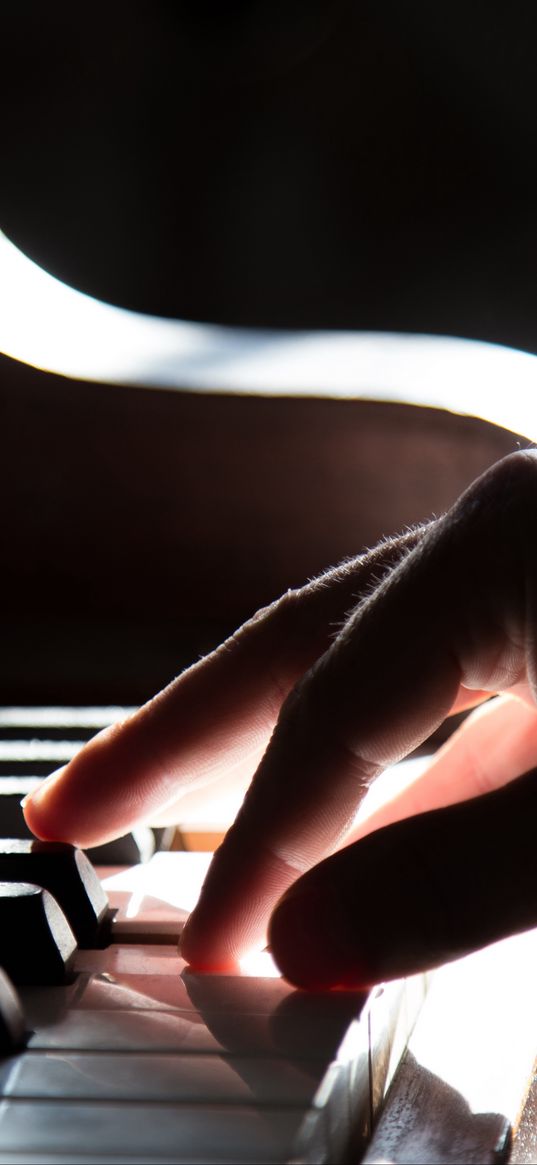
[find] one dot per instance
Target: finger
(227, 793)
(455, 611)
(218, 714)
(414, 895)
(493, 746)
(467, 698)
(200, 804)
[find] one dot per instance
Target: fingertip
(203, 960)
(34, 806)
(312, 946)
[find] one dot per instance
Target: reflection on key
(37, 944)
(153, 1076)
(12, 1024)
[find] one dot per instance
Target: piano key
(164, 992)
(218, 998)
(94, 717)
(132, 848)
(152, 903)
(164, 1031)
(254, 1036)
(133, 959)
(200, 1132)
(34, 750)
(27, 1158)
(135, 980)
(244, 995)
(37, 944)
(183, 1079)
(12, 1019)
(45, 1004)
(129, 849)
(35, 757)
(67, 874)
(175, 1039)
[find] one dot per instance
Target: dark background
(313, 163)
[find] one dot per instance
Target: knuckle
(517, 474)
(512, 481)
(494, 512)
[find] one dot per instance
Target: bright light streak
(477, 1030)
(260, 964)
(45, 323)
(171, 879)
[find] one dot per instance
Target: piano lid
(49, 325)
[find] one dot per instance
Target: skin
(315, 696)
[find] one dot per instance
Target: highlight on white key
(168, 887)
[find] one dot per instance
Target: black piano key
(12, 1020)
(128, 850)
(67, 874)
(37, 944)
(12, 823)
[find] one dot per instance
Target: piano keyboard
(130, 1057)
(124, 1055)
(134, 1058)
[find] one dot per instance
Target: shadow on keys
(278, 1017)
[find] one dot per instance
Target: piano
(101, 466)
(113, 1051)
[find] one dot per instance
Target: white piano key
(155, 927)
(63, 717)
(17, 1158)
(39, 750)
(139, 915)
(289, 1036)
(133, 959)
(211, 1079)
(104, 993)
(169, 883)
(137, 1026)
(125, 1031)
(11, 786)
(197, 1133)
(242, 995)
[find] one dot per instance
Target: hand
(440, 618)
